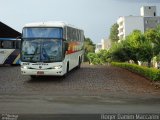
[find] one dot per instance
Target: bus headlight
(57, 67)
(24, 67)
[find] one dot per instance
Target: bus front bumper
(50, 72)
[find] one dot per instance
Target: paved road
(91, 89)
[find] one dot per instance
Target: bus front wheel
(67, 70)
(33, 76)
(79, 63)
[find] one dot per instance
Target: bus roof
(49, 24)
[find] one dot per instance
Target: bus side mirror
(66, 46)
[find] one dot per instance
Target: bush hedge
(151, 73)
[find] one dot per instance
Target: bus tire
(79, 63)
(33, 76)
(67, 70)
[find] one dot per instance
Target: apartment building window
(154, 13)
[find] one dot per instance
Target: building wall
(98, 47)
(148, 19)
(106, 44)
(151, 22)
(148, 11)
(129, 23)
(133, 23)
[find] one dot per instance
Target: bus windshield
(42, 32)
(41, 50)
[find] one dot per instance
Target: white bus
(50, 48)
(9, 51)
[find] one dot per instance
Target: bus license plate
(40, 73)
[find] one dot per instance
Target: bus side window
(8, 44)
(1, 44)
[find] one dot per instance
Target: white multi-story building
(98, 47)
(105, 44)
(128, 23)
(146, 20)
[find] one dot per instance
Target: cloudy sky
(95, 17)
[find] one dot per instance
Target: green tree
(139, 47)
(114, 33)
(88, 47)
(91, 57)
(98, 58)
(133, 42)
(97, 61)
(150, 34)
(156, 41)
(127, 49)
(103, 55)
(146, 51)
(154, 36)
(135, 47)
(150, 46)
(118, 53)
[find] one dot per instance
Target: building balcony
(120, 20)
(121, 34)
(120, 27)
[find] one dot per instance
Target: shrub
(151, 73)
